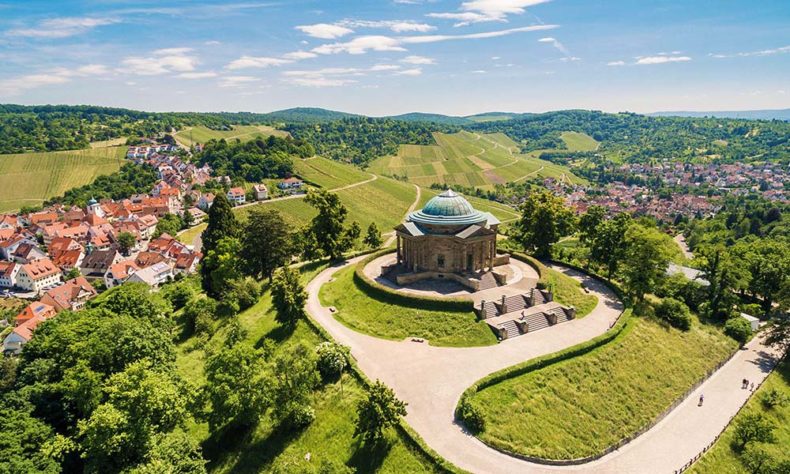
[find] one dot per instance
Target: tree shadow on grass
(250, 455)
(369, 456)
(278, 334)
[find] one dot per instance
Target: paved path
(432, 379)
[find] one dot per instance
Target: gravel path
(432, 379)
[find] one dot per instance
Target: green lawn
(365, 314)
(202, 134)
(328, 439)
(583, 405)
(576, 141)
(27, 179)
(569, 292)
(722, 459)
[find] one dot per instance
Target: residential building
(153, 276)
(98, 262)
(71, 295)
(21, 335)
(35, 276)
(8, 273)
(237, 195)
(34, 310)
(119, 272)
(261, 192)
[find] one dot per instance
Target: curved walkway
(432, 379)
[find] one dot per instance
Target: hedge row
(385, 294)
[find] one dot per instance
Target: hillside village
(668, 190)
(61, 256)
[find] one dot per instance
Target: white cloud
(299, 55)
(361, 45)
(62, 27)
(478, 11)
(197, 75)
(385, 67)
(661, 59)
(17, 85)
(479, 71)
(763, 52)
(398, 26)
(172, 51)
(409, 72)
(487, 34)
(247, 62)
(417, 60)
(91, 70)
(212, 43)
(616, 63)
(321, 81)
(325, 30)
(237, 81)
(496, 58)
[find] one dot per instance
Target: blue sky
(393, 56)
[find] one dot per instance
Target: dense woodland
(360, 140)
(254, 160)
(639, 138)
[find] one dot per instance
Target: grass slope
(378, 318)
(576, 141)
(569, 292)
(468, 159)
(328, 439)
(722, 459)
(28, 179)
(581, 406)
(202, 134)
(327, 173)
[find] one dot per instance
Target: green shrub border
(385, 294)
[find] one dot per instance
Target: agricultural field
(327, 173)
(581, 406)
(265, 448)
(27, 179)
(384, 201)
(190, 136)
(723, 459)
(376, 317)
(468, 159)
(576, 141)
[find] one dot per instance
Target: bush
(300, 417)
(738, 329)
(178, 294)
(246, 291)
(471, 417)
(752, 428)
(332, 360)
(675, 312)
(198, 314)
(774, 398)
(228, 307)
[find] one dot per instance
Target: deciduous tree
(373, 236)
(377, 411)
(221, 224)
(544, 220)
(266, 242)
(288, 296)
(645, 260)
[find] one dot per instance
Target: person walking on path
(701, 399)
(751, 389)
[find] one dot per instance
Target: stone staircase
(487, 281)
(488, 310)
(536, 322)
(510, 329)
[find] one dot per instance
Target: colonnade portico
(447, 236)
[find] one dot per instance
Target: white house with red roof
(237, 195)
(35, 276)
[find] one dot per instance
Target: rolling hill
(27, 179)
(778, 114)
(468, 159)
(201, 134)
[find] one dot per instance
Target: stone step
(511, 329)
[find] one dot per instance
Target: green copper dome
(447, 208)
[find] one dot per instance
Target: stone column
(397, 240)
